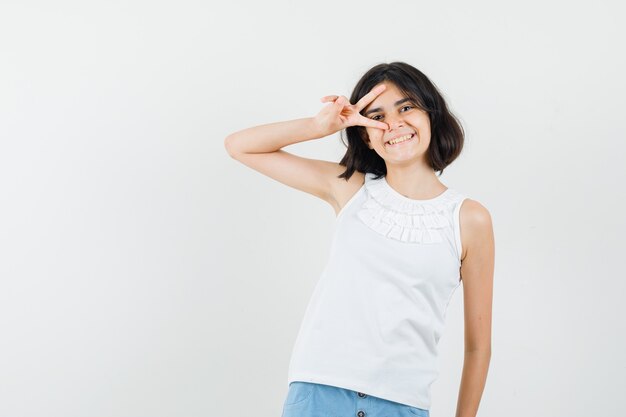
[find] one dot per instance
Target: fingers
(326, 99)
(342, 101)
(366, 121)
(369, 97)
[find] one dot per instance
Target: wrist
(316, 130)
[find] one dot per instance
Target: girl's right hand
(341, 114)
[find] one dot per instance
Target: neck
(415, 181)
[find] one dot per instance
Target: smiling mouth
(399, 140)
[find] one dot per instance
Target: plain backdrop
(145, 273)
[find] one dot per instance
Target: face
(403, 118)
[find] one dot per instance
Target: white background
(143, 272)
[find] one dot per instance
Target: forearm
(273, 136)
(473, 379)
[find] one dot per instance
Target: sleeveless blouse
(378, 310)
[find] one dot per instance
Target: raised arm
(260, 147)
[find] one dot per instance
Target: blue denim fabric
(307, 399)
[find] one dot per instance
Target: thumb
(339, 104)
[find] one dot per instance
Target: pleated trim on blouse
(395, 216)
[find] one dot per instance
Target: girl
(403, 243)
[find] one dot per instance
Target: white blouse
(377, 312)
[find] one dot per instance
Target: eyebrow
(377, 109)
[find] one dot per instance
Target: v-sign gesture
(341, 114)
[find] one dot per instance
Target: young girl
(403, 243)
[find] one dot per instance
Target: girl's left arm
(477, 267)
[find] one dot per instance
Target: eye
(401, 109)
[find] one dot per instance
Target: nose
(395, 122)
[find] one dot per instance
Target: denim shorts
(308, 399)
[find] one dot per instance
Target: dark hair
(447, 135)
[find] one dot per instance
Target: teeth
(400, 139)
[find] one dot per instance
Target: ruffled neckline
(398, 217)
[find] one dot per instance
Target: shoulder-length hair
(447, 134)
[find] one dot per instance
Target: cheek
(374, 134)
